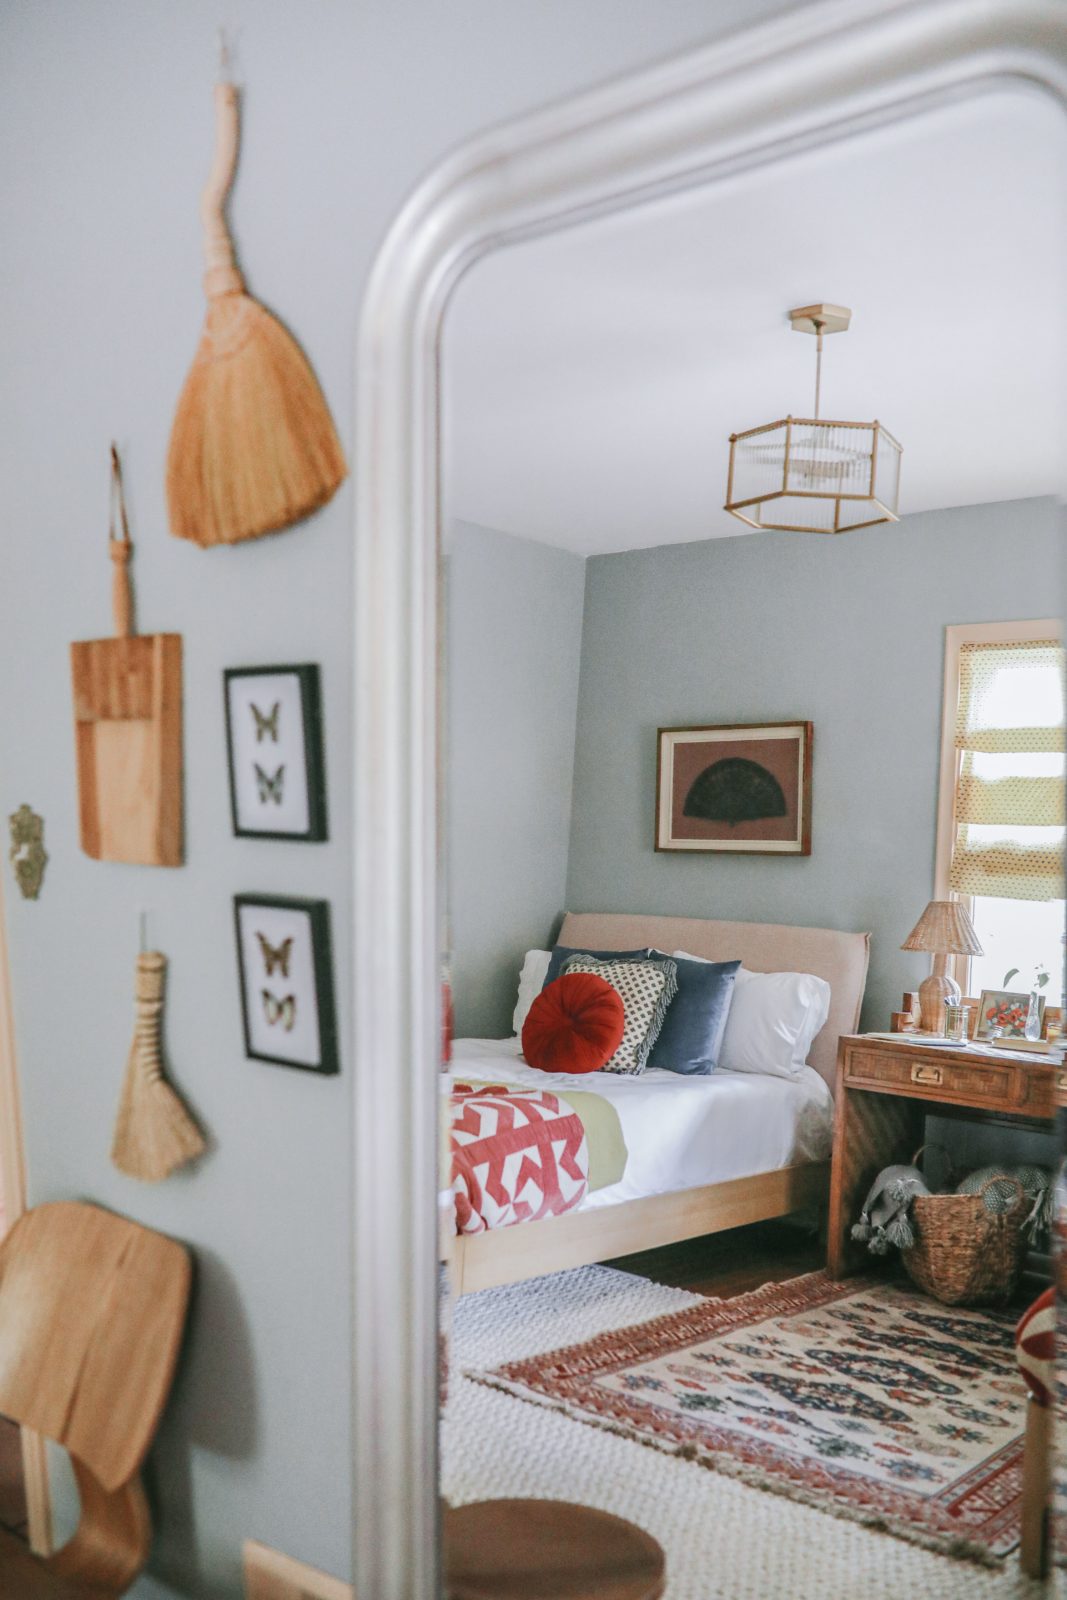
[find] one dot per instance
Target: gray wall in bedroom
(846, 632)
(106, 127)
(514, 650)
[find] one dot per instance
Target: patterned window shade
(1009, 841)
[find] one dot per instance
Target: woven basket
(964, 1255)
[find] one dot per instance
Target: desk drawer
(987, 1082)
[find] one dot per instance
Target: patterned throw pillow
(646, 989)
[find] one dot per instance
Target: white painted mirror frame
(814, 76)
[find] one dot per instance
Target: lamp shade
(946, 929)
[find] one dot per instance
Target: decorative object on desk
(884, 1219)
(1032, 1028)
(809, 475)
(128, 726)
(1002, 1014)
(944, 929)
(253, 447)
(275, 747)
(28, 854)
(286, 970)
(736, 788)
(908, 1018)
(154, 1132)
(957, 1021)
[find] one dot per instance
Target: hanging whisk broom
(253, 447)
(154, 1133)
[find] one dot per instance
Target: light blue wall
(845, 632)
(106, 128)
(514, 649)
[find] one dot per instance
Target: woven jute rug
(861, 1398)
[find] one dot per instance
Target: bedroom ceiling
(592, 379)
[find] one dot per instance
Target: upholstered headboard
(840, 958)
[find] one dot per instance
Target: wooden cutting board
(128, 729)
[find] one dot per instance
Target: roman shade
(1009, 811)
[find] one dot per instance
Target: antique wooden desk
(886, 1087)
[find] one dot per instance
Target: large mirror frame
(815, 76)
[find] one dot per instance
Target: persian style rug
(864, 1399)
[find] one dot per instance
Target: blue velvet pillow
(691, 1036)
(563, 953)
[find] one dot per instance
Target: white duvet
(680, 1132)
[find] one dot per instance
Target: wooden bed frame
(509, 1255)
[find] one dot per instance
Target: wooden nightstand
(885, 1088)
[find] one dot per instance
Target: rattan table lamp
(945, 929)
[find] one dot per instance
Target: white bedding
(681, 1132)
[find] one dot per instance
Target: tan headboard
(840, 958)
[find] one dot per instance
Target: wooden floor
(12, 1498)
(730, 1263)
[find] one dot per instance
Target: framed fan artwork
(274, 743)
(742, 788)
(285, 965)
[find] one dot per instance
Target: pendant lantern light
(809, 475)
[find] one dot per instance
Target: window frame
(957, 634)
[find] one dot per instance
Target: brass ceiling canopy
(810, 475)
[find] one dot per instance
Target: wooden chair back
(92, 1309)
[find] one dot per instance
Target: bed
(704, 1153)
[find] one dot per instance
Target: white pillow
(531, 982)
(772, 1021)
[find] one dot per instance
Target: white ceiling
(592, 379)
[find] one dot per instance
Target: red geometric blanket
(517, 1155)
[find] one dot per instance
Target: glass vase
(1032, 1026)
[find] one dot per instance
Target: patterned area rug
(864, 1399)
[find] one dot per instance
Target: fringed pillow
(646, 989)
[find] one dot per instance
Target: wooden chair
(92, 1309)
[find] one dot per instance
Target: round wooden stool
(547, 1550)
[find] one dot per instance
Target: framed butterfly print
(274, 741)
(286, 971)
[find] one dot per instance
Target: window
(1001, 816)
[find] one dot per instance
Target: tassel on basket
(253, 447)
(154, 1133)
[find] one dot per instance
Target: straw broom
(253, 447)
(154, 1133)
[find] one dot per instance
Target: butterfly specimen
(270, 788)
(276, 956)
(275, 1010)
(267, 724)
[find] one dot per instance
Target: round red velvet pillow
(574, 1025)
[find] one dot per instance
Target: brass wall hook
(27, 852)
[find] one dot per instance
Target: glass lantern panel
(825, 458)
(759, 464)
(809, 513)
(887, 471)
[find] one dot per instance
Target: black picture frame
(312, 744)
(317, 913)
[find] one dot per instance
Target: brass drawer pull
(921, 1074)
(1061, 1080)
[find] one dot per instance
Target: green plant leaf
(1008, 976)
